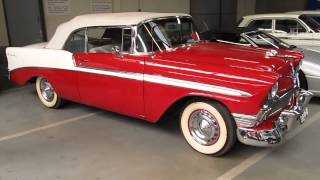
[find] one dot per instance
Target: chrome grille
(282, 102)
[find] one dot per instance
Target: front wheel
(46, 93)
(208, 127)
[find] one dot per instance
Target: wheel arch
(23, 76)
(302, 76)
(175, 109)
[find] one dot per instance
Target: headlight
(274, 91)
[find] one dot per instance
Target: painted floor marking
(14, 89)
(252, 160)
(31, 131)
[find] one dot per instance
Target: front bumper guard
(288, 120)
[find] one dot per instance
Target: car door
(292, 32)
(109, 77)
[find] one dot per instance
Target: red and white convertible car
(146, 65)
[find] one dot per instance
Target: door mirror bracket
(116, 51)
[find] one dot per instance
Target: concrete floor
(79, 142)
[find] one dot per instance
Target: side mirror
(116, 51)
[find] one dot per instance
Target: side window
(76, 42)
(102, 39)
(261, 24)
(289, 26)
(144, 42)
(127, 40)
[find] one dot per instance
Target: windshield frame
(311, 19)
(143, 23)
(283, 45)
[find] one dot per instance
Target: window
(99, 40)
(102, 39)
(261, 24)
(289, 26)
(165, 34)
(76, 42)
(127, 40)
(263, 39)
(312, 21)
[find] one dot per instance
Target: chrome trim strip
(195, 86)
(243, 120)
(160, 80)
(120, 74)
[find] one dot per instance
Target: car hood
(232, 55)
(235, 61)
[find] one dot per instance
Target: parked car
(146, 65)
(309, 75)
(300, 30)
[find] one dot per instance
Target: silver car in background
(310, 70)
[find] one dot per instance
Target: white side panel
(31, 57)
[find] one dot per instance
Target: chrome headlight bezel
(300, 65)
(274, 91)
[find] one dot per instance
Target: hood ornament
(271, 53)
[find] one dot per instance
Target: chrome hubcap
(46, 90)
(204, 127)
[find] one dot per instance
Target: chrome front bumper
(288, 120)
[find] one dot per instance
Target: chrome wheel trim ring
(46, 90)
(204, 127)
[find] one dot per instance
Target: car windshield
(315, 17)
(313, 21)
(265, 40)
(166, 34)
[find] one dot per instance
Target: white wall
(245, 7)
(77, 7)
(216, 14)
(3, 30)
(279, 6)
(83, 7)
(181, 6)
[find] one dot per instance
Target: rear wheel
(46, 93)
(208, 127)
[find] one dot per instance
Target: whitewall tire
(46, 93)
(208, 127)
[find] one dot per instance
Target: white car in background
(294, 28)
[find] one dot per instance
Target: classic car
(300, 30)
(309, 74)
(149, 65)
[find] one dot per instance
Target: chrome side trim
(120, 74)
(195, 86)
(159, 80)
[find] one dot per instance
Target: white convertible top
(103, 19)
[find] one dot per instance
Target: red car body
(149, 85)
